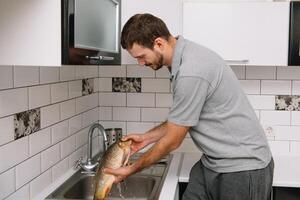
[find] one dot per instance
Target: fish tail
(102, 193)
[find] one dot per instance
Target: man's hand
(138, 142)
(120, 173)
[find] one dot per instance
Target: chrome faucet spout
(90, 139)
(89, 166)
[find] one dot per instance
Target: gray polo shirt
(208, 98)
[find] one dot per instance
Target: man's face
(148, 57)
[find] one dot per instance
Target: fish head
(124, 144)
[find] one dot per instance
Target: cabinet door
(170, 11)
(252, 33)
(30, 32)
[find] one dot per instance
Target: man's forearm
(168, 142)
(156, 133)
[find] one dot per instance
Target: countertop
(286, 170)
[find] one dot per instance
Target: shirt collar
(177, 55)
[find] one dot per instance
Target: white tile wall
(105, 84)
(295, 147)
(262, 102)
(26, 75)
(49, 115)
(21, 194)
(67, 73)
(39, 141)
(49, 75)
(288, 73)
(59, 169)
(141, 99)
(112, 99)
(40, 183)
(59, 92)
(90, 117)
(6, 77)
(126, 114)
(20, 172)
(251, 86)
(276, 87)
(39, 96)
(112, 71)
(6, 130)
(67, 146)
(275, 117)
(13, 101)
(7, 183)
(154, 114)
(287, 133)
(75, 89)
(155, 85)
(295, 118)
(86, 71)
(105, 113)
(59, 131)
(81, 138)
(28, 170)
(163, 100)
(139, 71)
(280, 147)
(87, 102)
(17, 151)
(295, 87)
(50, 157)
(139, 127)
(75, 124)
(260, 72)
(67, 109)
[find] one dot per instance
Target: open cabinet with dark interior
(91, 32)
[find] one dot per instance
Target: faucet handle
(78, 163)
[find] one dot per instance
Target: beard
(158, 63)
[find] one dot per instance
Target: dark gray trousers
(205, 184)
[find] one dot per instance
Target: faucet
(88, 166)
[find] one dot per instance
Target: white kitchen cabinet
(170, 11)
(30, 32)
(250, 33)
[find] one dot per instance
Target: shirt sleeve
(189, 95)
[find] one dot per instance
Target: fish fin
(125, 159)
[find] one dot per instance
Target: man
(209, 103)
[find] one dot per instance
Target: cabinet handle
(237, 61)
(100, 57)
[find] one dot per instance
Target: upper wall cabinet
(243, 33)
(30, 32)
(170, 11)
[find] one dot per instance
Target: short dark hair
(143, 29)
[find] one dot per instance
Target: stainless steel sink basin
(141, 186)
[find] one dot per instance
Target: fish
(117, 155)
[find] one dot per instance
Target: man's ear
(160, 43)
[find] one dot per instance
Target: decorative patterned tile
(287, 102)
(126, 84)
(87, 86)
(27, 122)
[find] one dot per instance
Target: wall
(41, 144)
(45, 113)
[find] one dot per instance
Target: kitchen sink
(144, 185)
